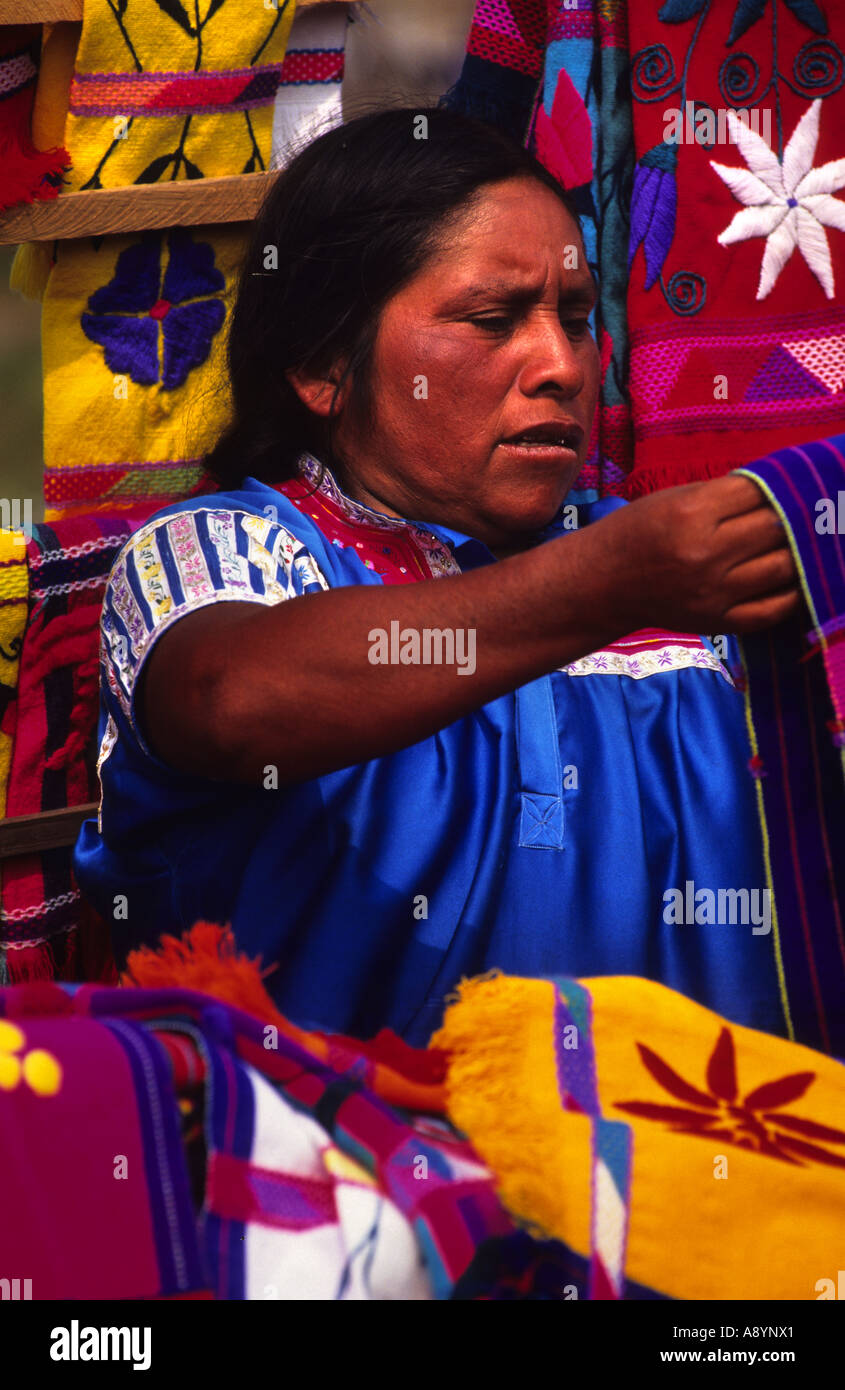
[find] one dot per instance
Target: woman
(390, 783)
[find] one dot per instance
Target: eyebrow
(583, 291)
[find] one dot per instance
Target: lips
(559, 434)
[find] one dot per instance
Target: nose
(552, 362)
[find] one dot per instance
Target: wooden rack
(34, 834)
(184, 203)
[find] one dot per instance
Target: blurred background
(399, 52)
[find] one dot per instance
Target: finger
(736, 495)
(762, 574)
(762, 613)
(750, 534)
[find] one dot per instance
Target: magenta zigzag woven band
(789, 369)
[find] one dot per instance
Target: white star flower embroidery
(788, 203)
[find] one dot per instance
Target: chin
(535, 513)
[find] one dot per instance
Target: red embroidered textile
(737, 338)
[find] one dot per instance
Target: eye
(494, 323)
(577, 328)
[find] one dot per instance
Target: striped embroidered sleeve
(185, 561)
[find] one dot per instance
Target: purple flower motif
(653, 206)
(156, 322)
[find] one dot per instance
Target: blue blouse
(543, 834)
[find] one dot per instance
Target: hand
(706, 557)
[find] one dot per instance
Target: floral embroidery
(156, 324)
(753, 1123)
(673, 658)
(39, 1069)
(654, 203)
(788, 202)
(787, 217)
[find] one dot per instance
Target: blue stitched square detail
(541, 824)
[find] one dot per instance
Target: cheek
(457, 367)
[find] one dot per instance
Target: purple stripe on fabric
(296, 1203)
(822, 486)
(820, 809)
(167, 1182)
(826, 629)
(182, 109)
(793, 843)
(801, 519)
(230, 1123)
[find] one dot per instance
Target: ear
(316, 388)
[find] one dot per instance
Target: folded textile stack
(305, 1185)
(304, 1165)
(686, 1157)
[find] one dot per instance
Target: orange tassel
(206, 959)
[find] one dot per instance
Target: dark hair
(353, 217)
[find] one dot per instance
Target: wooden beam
(21, 835)
(111, 211)
(48, 11)
(39, 11)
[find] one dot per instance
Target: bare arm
(235, 687)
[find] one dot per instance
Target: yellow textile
(14, 594)
(771, 1228)
(31, 269)
(117, 427)
(234, 35)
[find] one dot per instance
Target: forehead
(509, 225)
(517, 230)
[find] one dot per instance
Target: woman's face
(487, 342)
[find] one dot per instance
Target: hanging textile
(14, 592)
(552, 76)
(166, 91)
(795, 703)
(308, 101)
(720, 338)
(737, 252)
(45, 929)
(135, 387)
(29, 172)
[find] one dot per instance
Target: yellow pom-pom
(42, 1071)
(10, 1072)
(11, 1037)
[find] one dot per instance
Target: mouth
(553, 441)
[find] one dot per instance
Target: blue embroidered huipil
(539, 834)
